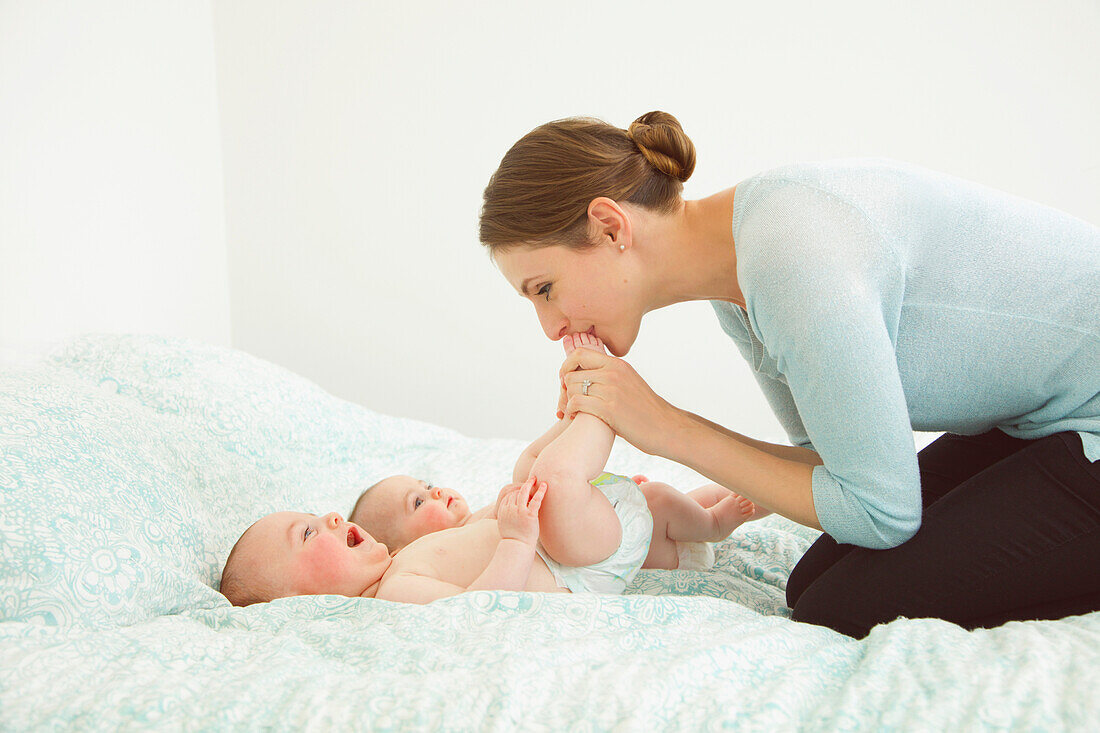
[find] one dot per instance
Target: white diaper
(613, 574)
(694, 555)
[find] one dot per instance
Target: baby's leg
(710, 494)
(679, 517)
(577, 524)
(522, 470)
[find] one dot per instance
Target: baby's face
(403, 509)
(303, 554)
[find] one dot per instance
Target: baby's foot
(733, 511)
(585, 340)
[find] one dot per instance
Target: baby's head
(400, 509)
(294, 554)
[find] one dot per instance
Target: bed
(129, 465)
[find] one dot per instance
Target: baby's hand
(518, 512)
(508, 488)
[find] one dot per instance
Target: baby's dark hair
(359, 513)
(238, 584)
(360, 503)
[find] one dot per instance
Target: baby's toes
(568, 343)
(746, 506)
(589, 341)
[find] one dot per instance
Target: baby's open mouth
(354, 538)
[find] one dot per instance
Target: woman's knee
(822, 555)
(822, 594)
(822, 605)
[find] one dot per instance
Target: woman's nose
(554, 325)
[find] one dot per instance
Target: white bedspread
(128, 467)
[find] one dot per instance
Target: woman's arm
(776, 477)
(793, 453)
(788, 452)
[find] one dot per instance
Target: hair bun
(662, 141)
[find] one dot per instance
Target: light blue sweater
(884, 298)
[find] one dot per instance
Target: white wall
(358, 138)
(111, 201)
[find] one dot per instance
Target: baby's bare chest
(460, 556)
(454, 555)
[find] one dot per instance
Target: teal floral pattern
(130, 465)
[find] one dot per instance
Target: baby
(561, 532)
(400, 509)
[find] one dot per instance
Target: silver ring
(584, 386)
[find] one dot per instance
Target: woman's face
(575, 291)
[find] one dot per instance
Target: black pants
(1010, 531)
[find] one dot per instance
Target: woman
(871, 298)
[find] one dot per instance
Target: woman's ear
(608, 223)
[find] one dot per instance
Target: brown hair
(364, 514)
(539, 194)
(239, 584)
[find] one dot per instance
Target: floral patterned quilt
(129, 465)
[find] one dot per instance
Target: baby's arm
(530, 453)
(416, 588)
(508, 569)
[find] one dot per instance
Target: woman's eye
(545, 290)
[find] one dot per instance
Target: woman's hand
(618, 396)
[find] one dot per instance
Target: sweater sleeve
(736, 326)
(782, 403)
(817, 277)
